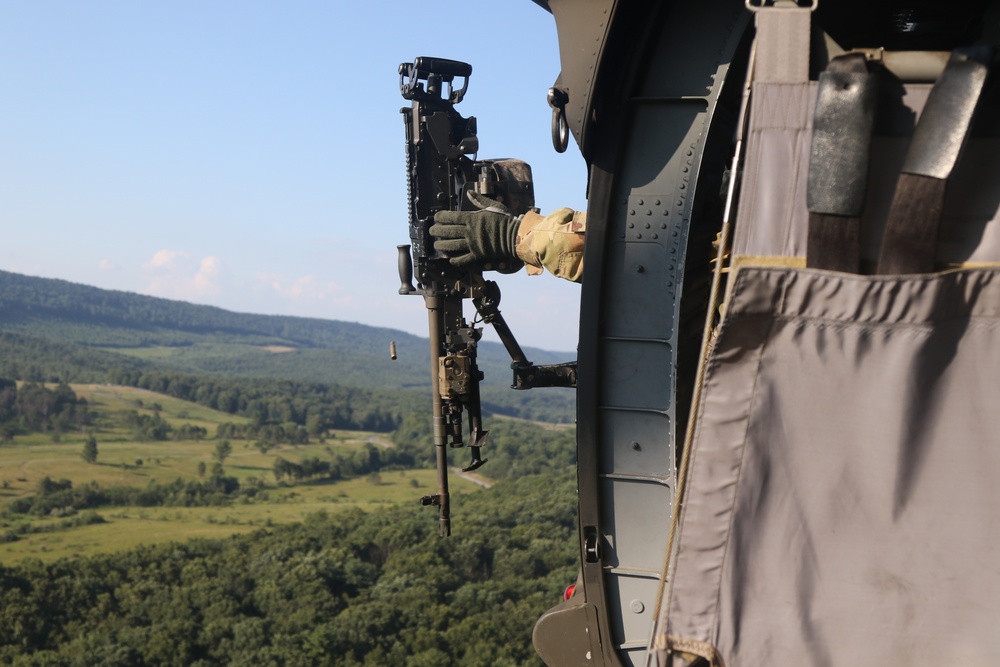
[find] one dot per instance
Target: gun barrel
(435, 325)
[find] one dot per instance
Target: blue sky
(249, 155)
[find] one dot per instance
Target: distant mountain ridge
(25, 301)
(140, 331)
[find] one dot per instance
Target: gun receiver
(439, 173)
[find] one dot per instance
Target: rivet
(637, 606)
(639, 202)
(636, 446)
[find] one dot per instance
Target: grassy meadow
(26, 460)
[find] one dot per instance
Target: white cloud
(106, 265)
(205, 282)
(164, 259)
(174, 274)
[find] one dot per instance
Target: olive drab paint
(695, 119)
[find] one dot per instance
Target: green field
(125, 462)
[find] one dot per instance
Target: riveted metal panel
(664, 142)
(634, 529)
(640, 443)
(637, 374)
(636, 596)
(648, 276)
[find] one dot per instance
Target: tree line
(56, 498)
(266, 435)
(514, 448)
(369, 459)
(317, 407)
(147, 428)
(36, 408)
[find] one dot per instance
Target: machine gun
(440, 173)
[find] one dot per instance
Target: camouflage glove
(485, 239)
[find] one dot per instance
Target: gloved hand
(483, 239)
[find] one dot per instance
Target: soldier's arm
(553, 242)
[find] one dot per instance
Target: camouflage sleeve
(554, 242)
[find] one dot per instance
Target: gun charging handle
(404, 262)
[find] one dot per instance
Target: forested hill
(142, 332)
(94, 316)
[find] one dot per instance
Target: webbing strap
(782, 45)
(910, 240)
(834, 243)
(838, 165)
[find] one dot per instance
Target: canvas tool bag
(841, 503)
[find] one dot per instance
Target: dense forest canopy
(349, 589)
(353, 590)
